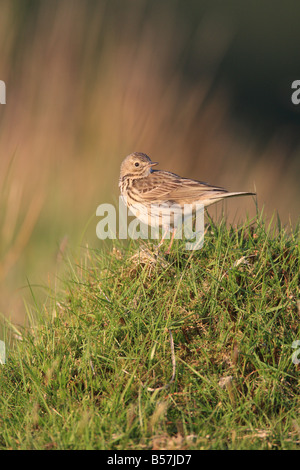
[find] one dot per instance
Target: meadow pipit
(148, 193)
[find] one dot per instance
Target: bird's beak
(153, 164)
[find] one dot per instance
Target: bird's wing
(161, 186)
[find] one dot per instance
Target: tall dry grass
(89, 83)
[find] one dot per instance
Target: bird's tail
(236, 194)
(218, 196)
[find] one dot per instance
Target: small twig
(242, 260)
(92, 367)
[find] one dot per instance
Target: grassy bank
(78, 376)
(204, 89)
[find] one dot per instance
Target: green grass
(76, 377)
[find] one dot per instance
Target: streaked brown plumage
(140, 184)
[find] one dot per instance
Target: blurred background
(203, 87)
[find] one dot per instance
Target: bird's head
(136, 165)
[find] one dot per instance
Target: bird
(151, 193)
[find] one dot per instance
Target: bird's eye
(136, 164)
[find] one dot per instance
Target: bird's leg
(171, 242)
(163, 238)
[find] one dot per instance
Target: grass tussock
(79, 375)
